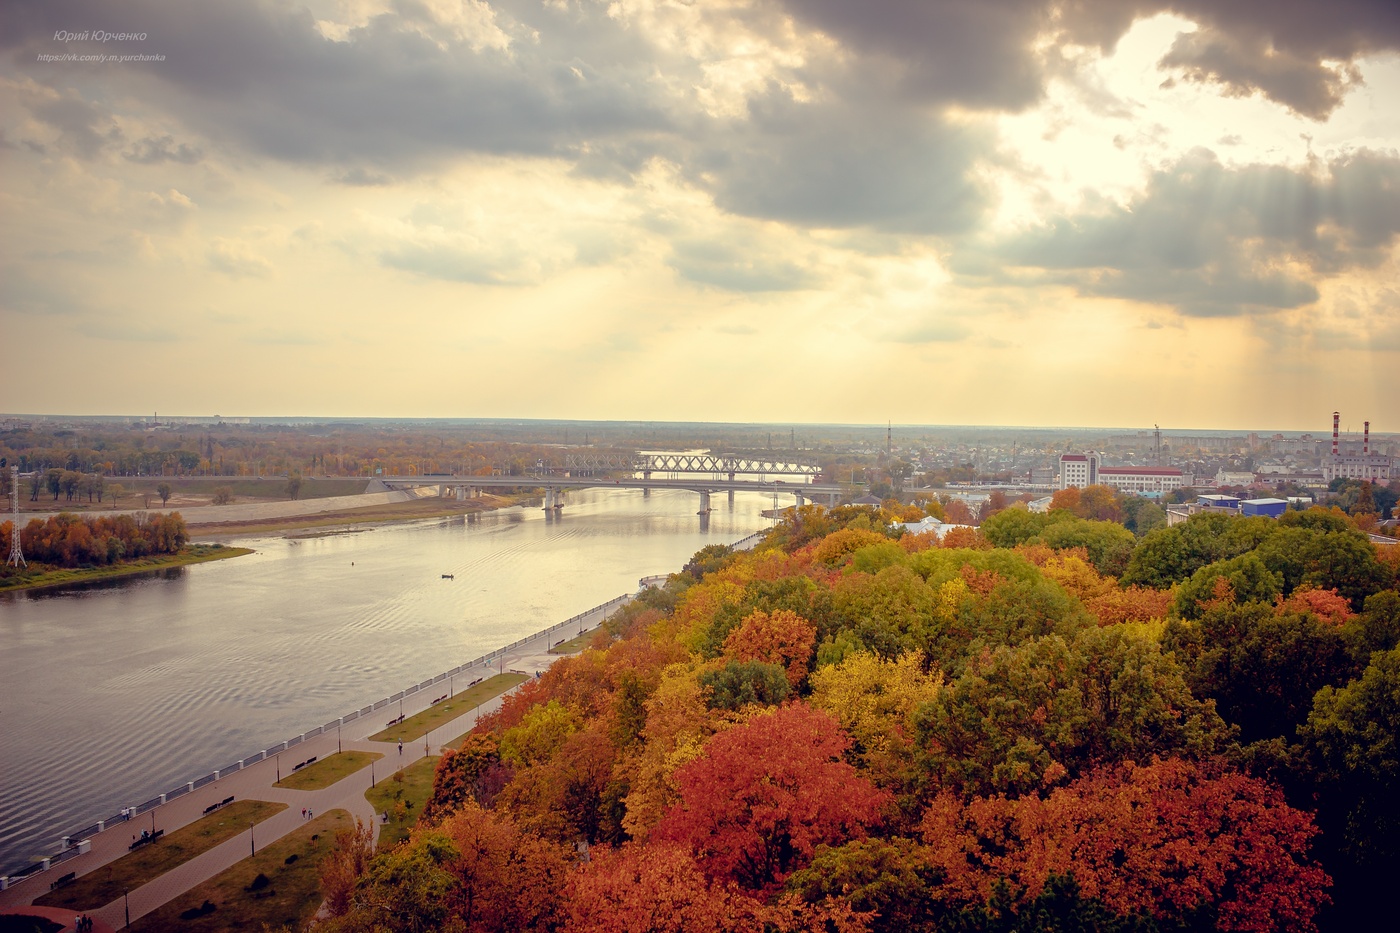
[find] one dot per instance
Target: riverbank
(190, 554)
(345, 520)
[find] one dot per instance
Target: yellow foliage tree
(678, 722)
(874, 701)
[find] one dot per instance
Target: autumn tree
(958, 513)
(874, 701)
(476, 872)
(470, 773)
(742, 683)
(1261, 665)
(1166, 838)
(343, 866)
(763, 795)
(782, 638)
(656, 889)
(1027, 715)
(1349, 755)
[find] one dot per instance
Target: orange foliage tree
(781, 637)
(1328, 605)
(1131, 604)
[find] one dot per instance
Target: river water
(115, 692)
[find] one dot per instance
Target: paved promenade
(258, 782)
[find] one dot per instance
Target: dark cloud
(738, 267)
(404, 89)
(986, 53)
(1215, 241)
(977, 53)
(864, 138)
(361, 177)
(454, 263)
(84, 130)
(154, 150)
(1284, 49)
(847, 163)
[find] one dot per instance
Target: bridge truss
(713, 464)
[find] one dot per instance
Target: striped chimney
(1336, 425)
(1366, 440)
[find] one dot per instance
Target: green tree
(1350, 749)
(1026, 715)
(293, 485)
(1247, 579)
(1377, 628)
(164, 490)
(1261, 667)
(741, 683)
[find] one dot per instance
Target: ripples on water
(118, 690)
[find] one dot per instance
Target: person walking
(400, 747)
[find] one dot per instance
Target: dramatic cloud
(1214, 241)
(628, 192)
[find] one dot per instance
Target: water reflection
(119, 689)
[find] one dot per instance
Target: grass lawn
(34, 577)
(104, 885)
(415, 727)
(575, 645)
(290, 896)
(328, 770)
(412, 787)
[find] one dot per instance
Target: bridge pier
(461, 494)
(704, 503)
(800, 501)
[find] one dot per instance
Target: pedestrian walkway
(259, 782)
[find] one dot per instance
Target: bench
(214, 806)
(64, 880)
(303, 764)
(151, 837)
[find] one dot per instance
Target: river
(114, 692)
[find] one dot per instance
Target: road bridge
(469, 487)
(730, 465)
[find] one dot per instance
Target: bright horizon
(738, 211)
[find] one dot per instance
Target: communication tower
(16, 554)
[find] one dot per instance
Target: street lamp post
(337, 738)
(371, 773)
(252, 846)
(279, 769)
(126, 902)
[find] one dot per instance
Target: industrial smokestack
(1366, 440)
(1336, 426)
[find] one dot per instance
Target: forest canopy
(1047, 724)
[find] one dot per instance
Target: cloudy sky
(1094, 212)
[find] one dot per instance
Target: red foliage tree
(763, 795)
(1166, 838)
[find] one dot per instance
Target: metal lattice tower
(16, 554)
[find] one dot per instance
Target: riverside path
(259, 782)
